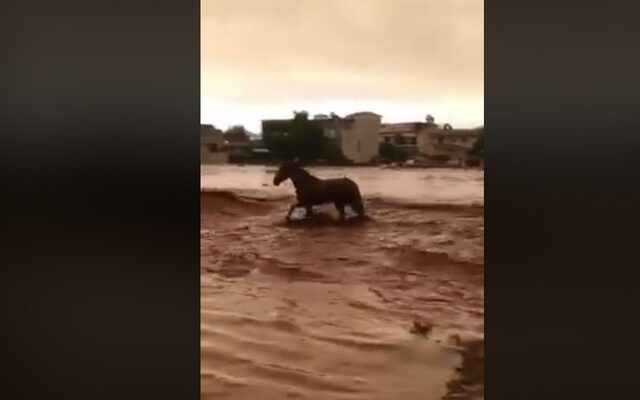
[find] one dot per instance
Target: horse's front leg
(309, 211)
(293, 207)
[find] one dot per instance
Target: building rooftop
(363, 113)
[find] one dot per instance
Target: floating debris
(421, 328)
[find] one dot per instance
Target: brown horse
(312, 191)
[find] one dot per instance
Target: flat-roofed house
(212, 149)
(404, 135)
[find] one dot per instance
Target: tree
(307, 136)
(236, 133)
(299, 137)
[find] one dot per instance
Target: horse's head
(285, 171)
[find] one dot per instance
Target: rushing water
(321, 309)
(455, 186)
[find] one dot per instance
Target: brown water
(321, 309)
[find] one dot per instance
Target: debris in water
(421, 328)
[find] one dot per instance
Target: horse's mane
(300, 172)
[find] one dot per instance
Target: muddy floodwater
(387, 308)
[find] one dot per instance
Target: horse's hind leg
(340, 208)
(358, 207)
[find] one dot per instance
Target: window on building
(440, 140)
(411, 140)
(213, 147)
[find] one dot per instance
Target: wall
(361, 137)
(208, 157)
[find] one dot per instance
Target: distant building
(238, 146)
(356, 136)
(404, 135)
(238, 149)
(212, 146)
(447, 146)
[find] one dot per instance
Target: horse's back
(342, 189)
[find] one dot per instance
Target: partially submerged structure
(447, 146)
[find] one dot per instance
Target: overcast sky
(400, 58)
